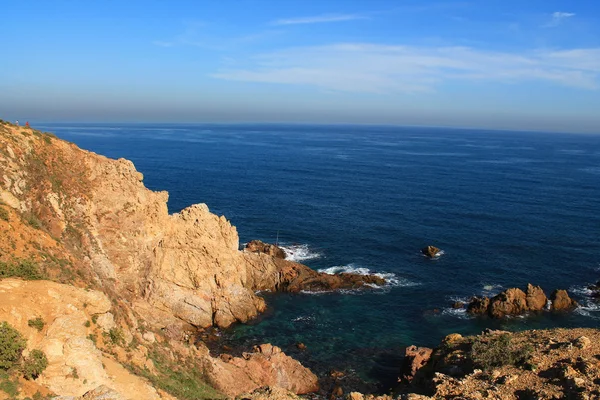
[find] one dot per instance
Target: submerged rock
(431, 251)
(257, 246)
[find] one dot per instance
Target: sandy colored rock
(106, 322)
(65, 310)
(256, 246)
(415, 358)
(266, 366)
(536, 298)
(269, 393)
(561, 301)
(431, 251)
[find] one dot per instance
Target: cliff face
(96, 213)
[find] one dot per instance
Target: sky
(526, 64)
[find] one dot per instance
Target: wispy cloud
(558, 17)
(318, 19)
(367, 67)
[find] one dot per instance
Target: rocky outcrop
(561, 301)
(431, 251)
(256, 246)
(415, 358)
(266, 366)
(514, 301)
(65, 337)
(96, 213)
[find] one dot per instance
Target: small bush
(10, 387)
(497, 352)
(94, 318)
(87, 324)
(35, 364)
(4, 213)
(37, 323)
(116, 336)
(93, 337)
(11, 346)
(47, 139)
(24, 269)
(33, 221)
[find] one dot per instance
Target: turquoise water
(507, 208)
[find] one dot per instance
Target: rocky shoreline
(113, 290)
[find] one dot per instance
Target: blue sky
(527, 64)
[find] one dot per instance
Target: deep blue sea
(507, 208)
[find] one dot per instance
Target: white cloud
(318, 19)
(366, 67)
(558, 17)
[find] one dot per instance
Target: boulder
(266, 366)
(536, 298)
(415, 358)
(512, 301)
(478, 305)
(431, 251)
(561, 301)
(296, 277)
(257, 246)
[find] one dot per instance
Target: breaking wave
(299, 252)
(391, 279)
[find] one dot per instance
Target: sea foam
(299, 252)
(391, 279)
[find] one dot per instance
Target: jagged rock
(295, 277)
(561, 301)
(452, 338)
(266, 366)
(300, 346)
(431, 251)
(257, 246)
(103, 393)
(478, 305)
(512, 301)
(536, 298)
(415, 358)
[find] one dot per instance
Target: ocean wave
(299, 252)
(391, 279)
(588, 305)
(456, 312)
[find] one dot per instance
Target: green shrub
(11, 346)
(33, 221)
(87, 324)
(35, 364)
(37, 323)
(116, 336)
(93, 337)
(9, 386)
(3, 213)
(498, 351)
(25, 269)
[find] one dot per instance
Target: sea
(506, 208)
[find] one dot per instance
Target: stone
(257, 246)
(512, 301)
(536, 298)
(478, 305)
(300, 346)
(431, 251)
(452, 338)
(149, 337)
(561, 301)
(106, 322)
(582, 342)
(415, 358)
(458, 304)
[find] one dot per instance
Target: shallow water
(507, 208)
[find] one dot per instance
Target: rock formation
(431, 251)
(256, 246)
(561, 301)
(415, 358)
(96, 213)
(514, 301)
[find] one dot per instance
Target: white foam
(299, 252)
(456, 312)
(490, 289)
(391, 279)
(588, 305)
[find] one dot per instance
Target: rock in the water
(458, 304)
(512, 301)
(296, 277)
(257, 246)
(536, 298)
(415, 358)
(431, 251)
(478, 305)
(561, 301)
